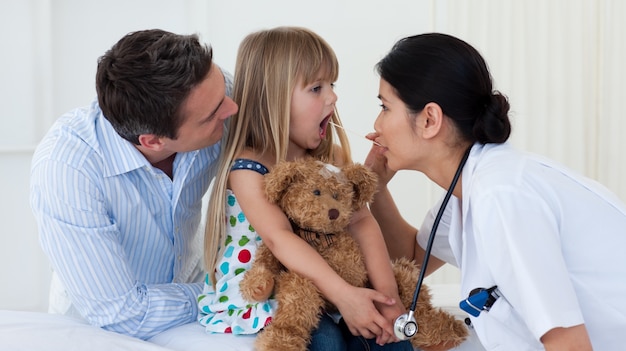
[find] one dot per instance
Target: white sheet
(192, 337)
(29, 331)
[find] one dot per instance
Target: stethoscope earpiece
(405, 326)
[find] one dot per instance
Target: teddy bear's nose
(333, 213)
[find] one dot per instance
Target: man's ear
(431, 120)
(151, 142)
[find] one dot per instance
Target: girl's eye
(316, 88)
(383, 107)
(332, 85)
(316, 192)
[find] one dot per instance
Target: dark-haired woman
(545, 243)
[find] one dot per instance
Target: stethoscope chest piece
(405, 326)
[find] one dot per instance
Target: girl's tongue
(323, 127)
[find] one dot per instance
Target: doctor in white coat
(542, 243)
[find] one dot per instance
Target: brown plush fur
(320, 200)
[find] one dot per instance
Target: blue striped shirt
(122, 237)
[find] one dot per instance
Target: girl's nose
(332, 97)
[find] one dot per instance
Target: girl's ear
(151, 142)
(430, 120)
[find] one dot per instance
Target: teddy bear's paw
(439, 331)
(444, 346)
(257, 285)
(279, 339)
(441, 346)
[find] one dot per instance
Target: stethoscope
(405, 326)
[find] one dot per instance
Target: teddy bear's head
(319, 197)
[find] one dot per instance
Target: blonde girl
(284, 80)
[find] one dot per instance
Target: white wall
(560, 62)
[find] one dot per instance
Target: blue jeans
(330, 336)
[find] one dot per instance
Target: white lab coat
(553, 242)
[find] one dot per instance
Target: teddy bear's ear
(364, 183)
(279, 178)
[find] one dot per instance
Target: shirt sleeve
(517, 234)
(83, 245)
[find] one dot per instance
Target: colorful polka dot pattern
(223, 310)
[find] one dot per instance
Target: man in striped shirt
(117, 186)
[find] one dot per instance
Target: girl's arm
(355, 304)
(366, 232)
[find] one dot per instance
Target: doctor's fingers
(377, 162)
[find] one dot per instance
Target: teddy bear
(319, 200)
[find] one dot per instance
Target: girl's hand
(390, 312)
(377, 162)
(358, 309)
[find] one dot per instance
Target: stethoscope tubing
(433, 231)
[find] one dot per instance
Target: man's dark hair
(143, 80)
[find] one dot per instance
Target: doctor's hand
(358, 309)
(377, 162)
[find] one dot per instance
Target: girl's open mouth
(324, 126)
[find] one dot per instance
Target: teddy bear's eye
(316, 192)
(335, 196)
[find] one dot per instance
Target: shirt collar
(120, 156)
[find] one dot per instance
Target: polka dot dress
(223, 309)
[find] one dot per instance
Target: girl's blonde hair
(269, 65)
